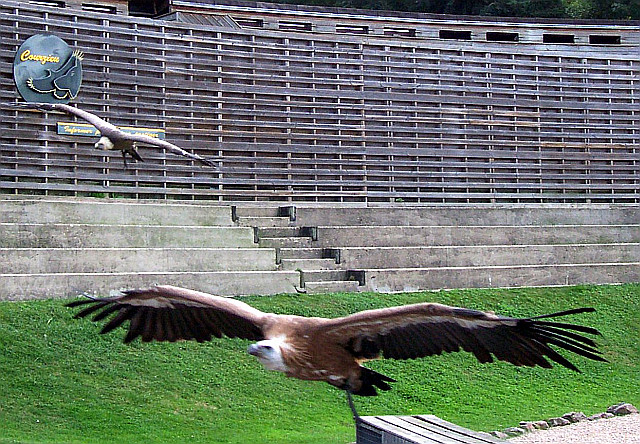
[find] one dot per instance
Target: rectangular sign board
(84, 129)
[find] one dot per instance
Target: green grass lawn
(62, 382)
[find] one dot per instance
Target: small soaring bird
(112, 138)
(332, 350)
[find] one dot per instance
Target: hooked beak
(253, 350)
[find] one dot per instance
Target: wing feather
(110, 308)
(136, 324)
(150, 330)
(567, 334)
(188, 323)
(579, 344)
(156, 328)
(105, 128)
(166, 313)
(210, 324)
(168, 328)
(90, 309)
(142, 138)
(199, 323)
(420, 330)
(125, 313)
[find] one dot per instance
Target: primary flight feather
(332, 350)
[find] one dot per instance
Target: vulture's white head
(104, 143)
(269, 353)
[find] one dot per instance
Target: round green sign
(47, 70)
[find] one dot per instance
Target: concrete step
(112, 211)
(476, 214)
(468, 256)
(332, 287)
(309, 264)
(416, 279)
(225, 283)
(243, 211)
(265, 232)
(14, 235)
(286, 242)
(324, 275)
(119, 260)
(392, 236)
(301, 253)
(249, 210)
(259, 221)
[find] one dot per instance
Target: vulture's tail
(370, 380)
(135, 155)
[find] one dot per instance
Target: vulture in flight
(333, 350)
(113, 138)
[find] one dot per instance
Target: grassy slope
(61, 382)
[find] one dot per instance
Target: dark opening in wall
(295, 26)
(249, 22)
(352, 29)
(604, 39)
(558, 38)
(400, 32)
(502, 36)
(146, 8)
(454, 35)
(50, 3)
(99, 8)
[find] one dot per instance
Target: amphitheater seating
(63, 247)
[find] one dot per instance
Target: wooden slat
(422, 429)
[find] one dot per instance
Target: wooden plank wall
(309, 116)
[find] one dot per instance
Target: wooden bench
(416, 429)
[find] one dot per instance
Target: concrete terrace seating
(63, 247)
(452, 246)
(60, 247)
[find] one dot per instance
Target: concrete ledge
(480, 214)
(64, 285)
(416, 279)
(14, 235)
(469, 256)
(111, 260)
(394, 236)
(112, 211)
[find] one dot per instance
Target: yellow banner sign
(84, 129)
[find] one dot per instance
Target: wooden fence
(295, 113)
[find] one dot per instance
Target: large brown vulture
(333, 350)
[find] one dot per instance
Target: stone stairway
(320, 270)
(64, 247)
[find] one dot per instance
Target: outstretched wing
(420, 330)
(114, 133)
(105, 128)
(166, 313)
(42, 84)
(141, 138)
